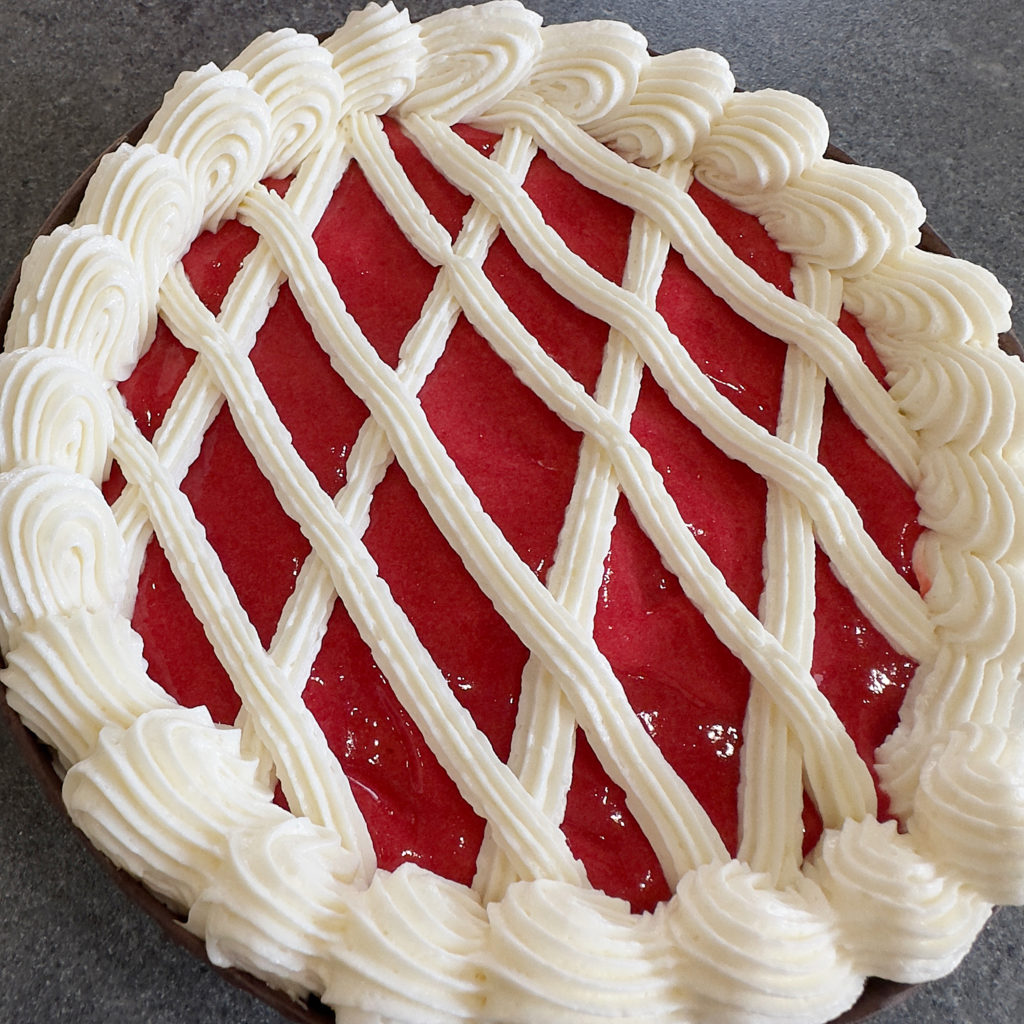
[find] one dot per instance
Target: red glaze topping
(688, 689)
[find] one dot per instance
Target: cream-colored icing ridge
(295, 897)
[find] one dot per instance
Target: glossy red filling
(686, 687)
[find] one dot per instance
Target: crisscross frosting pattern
(295, 895)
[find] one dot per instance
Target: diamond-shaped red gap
(149, 391)
(447, 204)
(383, 281)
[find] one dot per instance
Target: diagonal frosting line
(249, 299)
(710, 258)
(840, 781)
(890, 601)
(771, 779)
(313, 595)
(679, 827)
(536, 845)
(543, 741)
(310, 775)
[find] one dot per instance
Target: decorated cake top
(652, 210)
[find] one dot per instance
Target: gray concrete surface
(928, 88)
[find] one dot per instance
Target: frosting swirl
(474, 56)
(61, 550)
(750, 952)
(587, 71)
(283, 936)
(295, 77)
(846, 217)
(162, 797)
(142, 197)
(75, 674)
(80, 291)
(220, 130)
(556, 952)
(762, 142)
(966, 813)
(53, 411)
(972, 601)
(932, 395)
(922, 298)
(899, 917)
(676, 99)
(963, 494)
(411, 940)
(376, 54)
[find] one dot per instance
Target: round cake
(498, 527)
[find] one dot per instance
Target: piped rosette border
(293, 897)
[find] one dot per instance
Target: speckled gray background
(928, 88)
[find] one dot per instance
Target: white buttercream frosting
(676, 99)
(916, 299)
(81, 291)
(411, 940)
(762, 142)
(296, 78)
(295, 898)
(474, 55)
(73, 675)
(142, 197)
(556, 952)
(967, 811)
(871, 873)
(586, 71)
(55, 413)
(752, 952)
(60, 551)
(845, 217)
(249, 922)
(164, 796)
(219, 129)
(931, 396)
(376, 53)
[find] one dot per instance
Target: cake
(496, 527)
